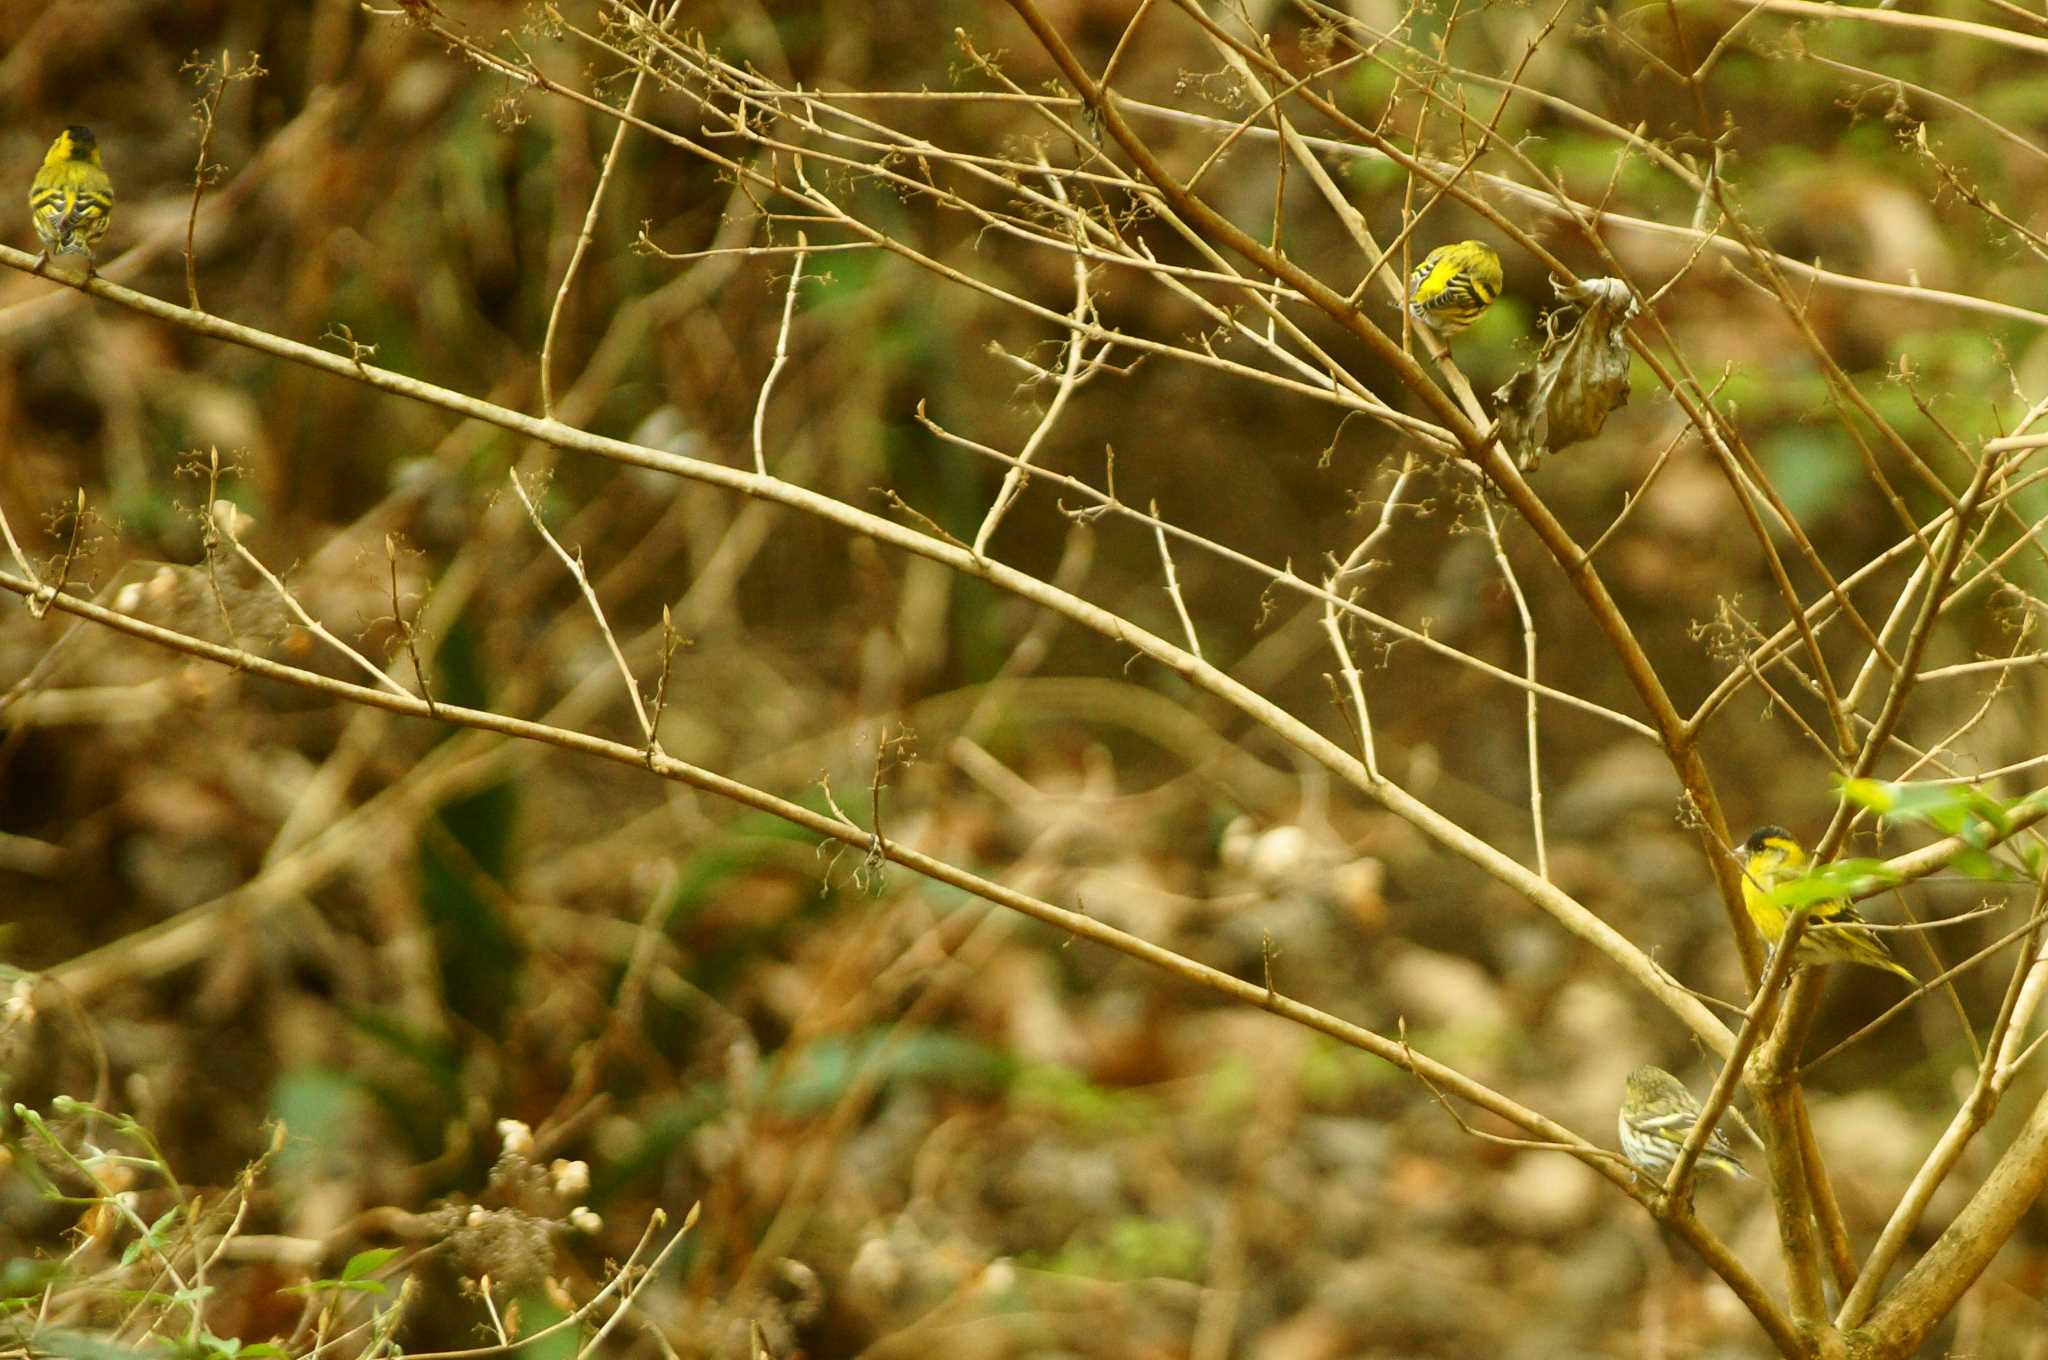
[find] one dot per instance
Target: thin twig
(582, 578)
(1755, 1022)
(217, 76)
(1529, 713)
(1180, 604)
(587, 235)
(1063, 389)
(1974, 1112)
(796, 275)
(223, 517)
(408, 634)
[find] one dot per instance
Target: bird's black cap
(81, 137)
(1761, 837)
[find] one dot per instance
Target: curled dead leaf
(1578, 379)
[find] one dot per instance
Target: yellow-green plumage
(1835, 934)
(71, 200)
(1453, 285)
(1658, 1114)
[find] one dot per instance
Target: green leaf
(539, 1315)
(27, 1277)
(1960, 810)
(1131, 1249)
(822, 1070)
(1815, 469)
(321, 1107)
(363, 1262)
(152, 1239)
(336, 1287)
(207, 1346)
(64, 1345)
(1976, 864)
(1843, 878)
(1069, 1095)
(461, 863)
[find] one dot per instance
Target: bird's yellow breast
(1772, 864)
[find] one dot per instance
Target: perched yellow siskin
(71, 200)
(1453, 285)
(1836, 934)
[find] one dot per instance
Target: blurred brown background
(917, 1125)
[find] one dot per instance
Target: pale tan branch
(1568, 912)
(1926, 23)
